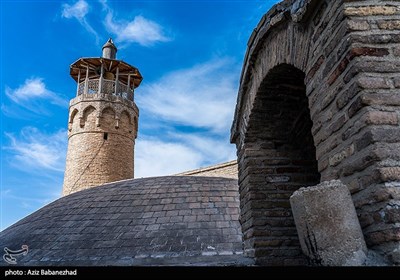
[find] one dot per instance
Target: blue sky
(190, 53)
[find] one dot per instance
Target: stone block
(389, 24)
(358, 25)
(373, 83)
(371, 10)
(339, 157)
(327, 225)
(379, 117)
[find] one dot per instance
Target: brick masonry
(225, 170)
(175, 220)
(318, 100)
(101, 136)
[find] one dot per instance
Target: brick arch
(108, 119)
(89, 118)
(72, 117)
(126, 113)
(108, 109)
(125, 122)
(280, 158)
(334, 49)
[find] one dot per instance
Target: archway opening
(279, 158)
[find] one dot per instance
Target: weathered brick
(375, 38)
(380, 117)
(396, 51)
(378, 66)
(355, 106)
(396, 82)
(386, 235)
(347, 95)
(389, 24)
(358, 25)
(371, 10)
(373, 82)
(339, 157)
(366, 51)
(391, 99)
(389, 173)
(315, 67)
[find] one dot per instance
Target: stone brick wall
(371, 131)
(101, 137)
(225, 170)
(318, 101)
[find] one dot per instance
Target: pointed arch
(108, 118)
(73, 115)
(108, 110)
(88, 117)
(125, 122)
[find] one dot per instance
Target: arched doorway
(277, 158)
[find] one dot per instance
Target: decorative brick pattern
(177, 220)
(101, 136)
(332, 66)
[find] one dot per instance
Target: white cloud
(213, 150)
(34, 150)
(79, 10)
(202, 96)
(34, 89)
(139, 30)
(182, 152)
(154, 157)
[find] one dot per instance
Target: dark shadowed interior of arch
(282, 161)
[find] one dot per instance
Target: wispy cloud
(32, 93)
(155, 157)
(176, 152)
(138, 30)
(201, 96)
(33, 150)
(79, 10)
(213, 149)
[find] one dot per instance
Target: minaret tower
(103, 121)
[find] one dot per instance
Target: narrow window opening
(105, 136)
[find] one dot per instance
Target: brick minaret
(103, 121)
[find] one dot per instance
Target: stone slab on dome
(227, 170)
(173, 220)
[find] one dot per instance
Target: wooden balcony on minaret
(105, 75)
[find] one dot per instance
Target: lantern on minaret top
(103, 121)
(109, 50)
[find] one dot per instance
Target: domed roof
(174, 220)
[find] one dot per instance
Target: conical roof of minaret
(109, 43)
(112, 49)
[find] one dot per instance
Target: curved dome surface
(174, 220)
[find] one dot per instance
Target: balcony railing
(106, 87)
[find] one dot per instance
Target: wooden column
(86, 80)
(116, 81)
(129, 86)
(101, 78)
(79, 79)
